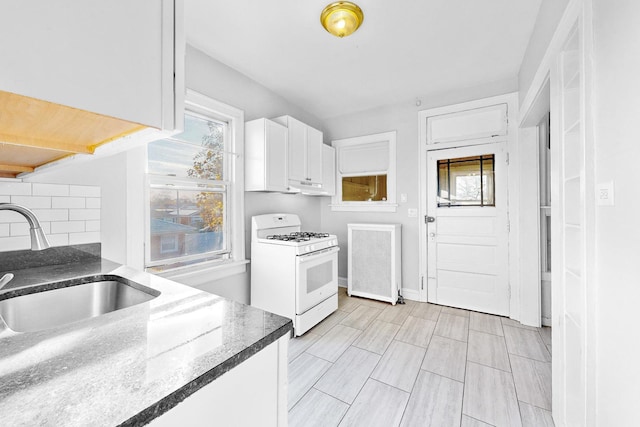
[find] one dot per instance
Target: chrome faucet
(38, 239)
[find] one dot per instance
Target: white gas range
(293, 273)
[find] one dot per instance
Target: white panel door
(467, 236)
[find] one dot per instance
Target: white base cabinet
(266, 154)
(253, 393)
(374, 261)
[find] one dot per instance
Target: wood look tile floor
(373, 364)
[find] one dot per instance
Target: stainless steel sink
(57, 307)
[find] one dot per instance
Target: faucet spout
(38, 238)
(5, 279)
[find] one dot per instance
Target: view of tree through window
(188, 194)
(466, 181)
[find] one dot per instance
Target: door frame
(577, 12)
(511, 100)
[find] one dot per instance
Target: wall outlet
(403, 198)
(604, 194)
(412, 213)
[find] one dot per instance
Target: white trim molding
(511, 138)
(390, 204)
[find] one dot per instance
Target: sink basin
(57, 307)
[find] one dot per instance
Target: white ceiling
(405, 48)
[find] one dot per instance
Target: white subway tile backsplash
(84, 214)
(22, 228)
(19, 229)
(52, 214)
(50, 190)
(69, 202)
(81, 238)
(7, 217)
(92, 225)
(93, 203)
(32, 202)
(58, 239)
(16, 243)
(67, 227)
(84, 191)
(15, 188)
(68, 214)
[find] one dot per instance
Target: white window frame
(235, 263)
(390, 205)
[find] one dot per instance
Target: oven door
(316, 278)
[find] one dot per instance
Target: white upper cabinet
(328, 170)
(266, 156)
(478, 123)
(305, 153)
(117, 58)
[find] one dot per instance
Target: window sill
(364, 207)
(206, 271)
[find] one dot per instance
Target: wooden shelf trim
(15, 169)
(29, 141)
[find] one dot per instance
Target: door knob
(432, 235)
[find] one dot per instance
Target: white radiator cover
(374, 257)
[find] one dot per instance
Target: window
(466, 181)
(365, 173)
(194, 193)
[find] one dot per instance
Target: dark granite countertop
(128, 366)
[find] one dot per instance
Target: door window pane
(466, 181)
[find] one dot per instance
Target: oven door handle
(312, 255)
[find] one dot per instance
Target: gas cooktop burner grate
(310, 234)
(298, 236)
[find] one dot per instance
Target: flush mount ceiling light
(341, 18)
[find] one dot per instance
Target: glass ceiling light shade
(341, 18)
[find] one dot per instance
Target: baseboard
(411, 294)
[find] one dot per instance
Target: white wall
(402, 118)
(548, 18)
(616, 113)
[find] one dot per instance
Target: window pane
(185, 222)
(198, 152)
(371, 188)
(466, 181)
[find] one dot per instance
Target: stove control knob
(307, 248)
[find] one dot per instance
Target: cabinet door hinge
(507, 158)
(508, 226)
(422, 283)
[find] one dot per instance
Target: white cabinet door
(253, 393)
(297, 150)
(266, 156)
(115, 57)
(329, 170)
(314, 155)
(276, 157)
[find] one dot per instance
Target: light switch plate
(403, 198)
(412, 213)
(605, 194)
